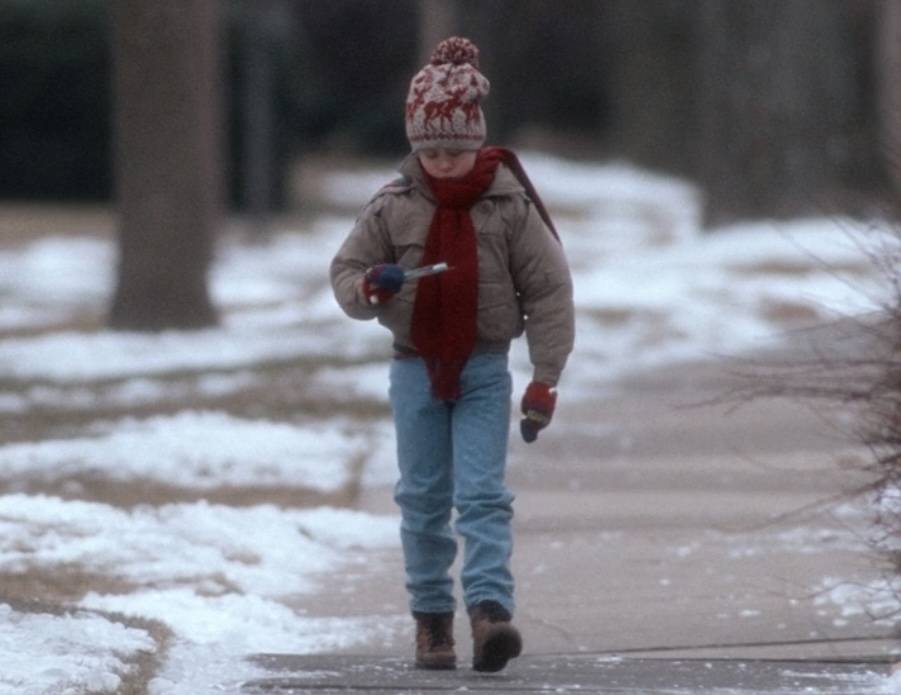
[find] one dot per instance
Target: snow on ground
(197, 449)
(214, 549)
(893, 683)
(74, 653)
(217, 576)
(652, 288)
(122, 395)
(877, 599)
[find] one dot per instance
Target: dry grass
(24, 223)
(786, 268)
(144, 665)
(55, 589)
(278, 391)
(82, 322)
(789, 314)
(614, 317)
(134, 492)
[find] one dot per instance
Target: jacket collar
(505, 182)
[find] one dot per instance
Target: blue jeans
(453, 455)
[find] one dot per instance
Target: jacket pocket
(408, 236)
(499, 316)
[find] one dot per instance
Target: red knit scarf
(443, 328)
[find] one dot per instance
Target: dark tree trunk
(650, 58)
(889, 71)
(167, 163)
(438, 19)
(779, 102)
(544, 63)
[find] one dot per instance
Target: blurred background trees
(167, 164)
(55, 107)
(773, 106)
(785, 105)
(888, 70)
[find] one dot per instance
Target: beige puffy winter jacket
(524, 279)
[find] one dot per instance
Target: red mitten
(382, 282)
(538, 407)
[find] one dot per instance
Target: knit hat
(443, 103)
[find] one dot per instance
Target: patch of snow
(801, 540)
(381, 467)
(865, 682)
(13, 403)
(203, 669)
(215, 575)
(79, 652)
(893, 683)
(879, 600)
(235, 623)
(58, 271)
(366, 381)
(25, 316)
(128, 393)
(260, 550)
(72, 357)
(207, 668)
(198, 449)
(888, 502)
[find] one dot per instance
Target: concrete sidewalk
(573, 674)
(659, 548)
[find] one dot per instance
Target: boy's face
(443, 163)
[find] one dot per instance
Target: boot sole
(498, 650)
(437, 665)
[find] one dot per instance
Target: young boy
(474, 209)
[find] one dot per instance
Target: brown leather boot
(494, 639)
(435, 641)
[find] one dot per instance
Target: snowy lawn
(201, 451)
(286, 403)
(218, 577)
(73, 653)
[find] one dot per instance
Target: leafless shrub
(849, 372)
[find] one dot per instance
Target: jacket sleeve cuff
(546, 374)
(360, 308)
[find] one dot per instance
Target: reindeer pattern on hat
(443, 104)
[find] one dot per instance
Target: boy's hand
(538, 407)
(381, 282)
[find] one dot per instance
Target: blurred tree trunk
(257, 110)
(438, 19)
(889, 68)
(265, 27)
(779, 92)
(650, 59)
(167, 164)
(545, 63)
